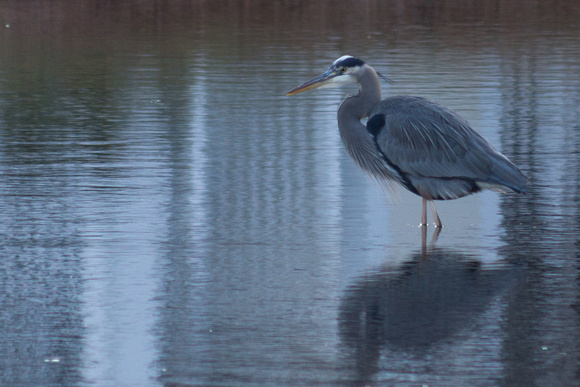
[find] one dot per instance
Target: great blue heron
(425, 147)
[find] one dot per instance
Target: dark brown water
(170, 217)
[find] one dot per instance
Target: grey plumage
(425, 147)
(439, 153)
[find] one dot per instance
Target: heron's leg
(435, 216)
(424, 214)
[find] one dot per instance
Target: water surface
(170, 217)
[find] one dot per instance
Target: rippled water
(170, 217)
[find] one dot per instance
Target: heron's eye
(343, 70)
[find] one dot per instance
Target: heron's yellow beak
(320, 81)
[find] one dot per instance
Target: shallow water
(170, 217)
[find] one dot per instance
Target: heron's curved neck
(354, 135)
(359, 106)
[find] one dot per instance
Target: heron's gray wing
(431, 144)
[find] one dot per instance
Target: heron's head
(344, 70)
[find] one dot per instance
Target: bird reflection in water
(433, 238)
(411, 310)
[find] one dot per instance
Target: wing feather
(429, 142)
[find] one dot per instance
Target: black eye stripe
(350, 62)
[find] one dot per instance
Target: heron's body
(423, 146)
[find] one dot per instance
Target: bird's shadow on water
(415, 307)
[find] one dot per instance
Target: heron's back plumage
(437, 154)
